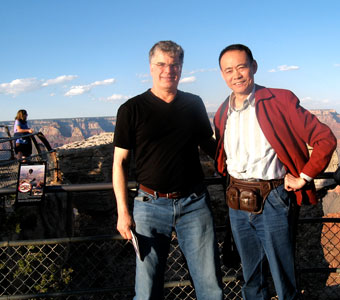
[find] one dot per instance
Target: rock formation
(64, 131)
(90, 161)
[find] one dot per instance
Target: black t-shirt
(164, 138)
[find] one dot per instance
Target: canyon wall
(90, 161)
(64, 131)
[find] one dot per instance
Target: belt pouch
(233, 196)
(247, 196)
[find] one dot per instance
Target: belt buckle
(173, 195)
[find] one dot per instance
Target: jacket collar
(262, 93)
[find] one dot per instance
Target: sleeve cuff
(306, 177)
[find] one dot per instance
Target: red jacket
(288, 127)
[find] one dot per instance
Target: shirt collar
(249, 101)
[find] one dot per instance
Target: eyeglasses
(162, 66)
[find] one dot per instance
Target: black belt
(173, 195)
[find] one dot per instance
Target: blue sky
(82, 58)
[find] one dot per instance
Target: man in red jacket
(262, 136)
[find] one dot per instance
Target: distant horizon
(68, 118)
(113, 116)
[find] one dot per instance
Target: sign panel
(31, 183)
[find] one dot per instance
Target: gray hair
(168, 47)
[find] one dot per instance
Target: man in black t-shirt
(164, 127)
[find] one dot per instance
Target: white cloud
(78, 90)
(23, 85)
(311, 103)
(103, 82)
(188, 79)
(18, 86)
(201, 71)
(284, 68)
(336, 65)
(288, 68)
(81, 89)
(306, 99)
(113, 98)
(59, 80)
(143, 75)
(117, 97)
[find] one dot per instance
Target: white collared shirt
(249, 154)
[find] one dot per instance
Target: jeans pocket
(282, 197)
(143, 197)
(198, 194)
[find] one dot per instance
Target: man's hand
(124, 225)
(294, 183)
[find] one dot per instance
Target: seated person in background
(23, 145)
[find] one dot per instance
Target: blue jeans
(266, 238)
(155, 219)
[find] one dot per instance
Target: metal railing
(318, 258)
(9, 147)
(102, 267)
(41, 151)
